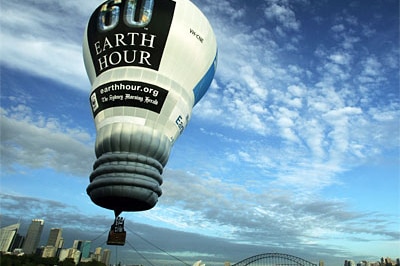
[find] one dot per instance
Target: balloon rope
(140, 254)
(117, 213)
(94, 239)
(162, 250)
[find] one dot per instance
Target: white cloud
(315, 139)
(340, 58)
(372, 71)
(284, 15)
(338, 28)
(214, 207)
(54, 59)
(35, 141)
(48, 44)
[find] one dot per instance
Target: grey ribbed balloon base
(123, 181)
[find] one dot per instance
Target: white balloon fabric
(149, 62)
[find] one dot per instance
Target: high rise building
(56, 240)
(49, 252)
(72, 253)
(7, 237)
(55, 237)
(18, 241)
(33, 236)
(97, 254)
(83, 247)
(105, 257)
(61, 243)
(54, 243)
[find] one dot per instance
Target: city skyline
(294, 148)
(32, 243)
(89, 250)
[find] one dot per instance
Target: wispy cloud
(241, 210)
(281, 12)
(320, 113)
(36, 141)
(48, 42)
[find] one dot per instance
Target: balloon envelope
(149, 62)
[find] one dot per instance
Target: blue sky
(294, 149)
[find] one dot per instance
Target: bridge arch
(274, 259)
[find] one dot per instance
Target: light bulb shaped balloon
(149, 62)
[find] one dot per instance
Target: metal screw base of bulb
(125, 181)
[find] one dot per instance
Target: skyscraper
(97, 254)
(72, 253)
(105, 258)
(83, 247)
(33, 236)
(18, 241)
(55, 237)
(54, 243)
(7, 236)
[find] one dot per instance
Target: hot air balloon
(149, 62)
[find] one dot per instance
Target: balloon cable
(140, 254)
(162, 250)
(94, 239)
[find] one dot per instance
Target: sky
(294, 148)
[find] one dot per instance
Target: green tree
(91, 263)
(67, 262)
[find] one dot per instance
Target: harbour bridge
(274, 259)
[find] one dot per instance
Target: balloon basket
(116, 238)
(117, 234)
